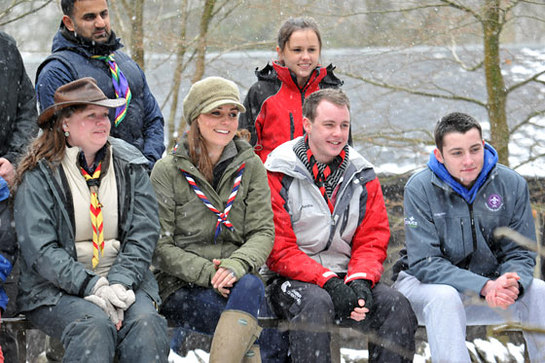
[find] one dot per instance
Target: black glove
(343, 297)
(362, 289)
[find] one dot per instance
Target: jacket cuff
(325, 277)
(208, 271)
(87, 285)
(359, 276)
(237, 266)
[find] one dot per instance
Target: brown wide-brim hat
(83, 91)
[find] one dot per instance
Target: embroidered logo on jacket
(410, 222)
(494, 202)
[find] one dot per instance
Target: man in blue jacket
(455, 272)
(85, 46)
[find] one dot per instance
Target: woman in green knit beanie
(216, 225)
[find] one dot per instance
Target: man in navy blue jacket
(455, 272)
(85, 46)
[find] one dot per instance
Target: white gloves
(123, 295)
(105, 305)
(102, 281)
(113, 299)
(108, 308)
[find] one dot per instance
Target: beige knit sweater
(107, 196)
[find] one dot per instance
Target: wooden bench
(20, 326)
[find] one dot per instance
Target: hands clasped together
(113, 299)
(503, 291)
(223, 279)
(353, 300)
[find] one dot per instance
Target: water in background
(376, 110)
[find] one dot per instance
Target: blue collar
(490, 161)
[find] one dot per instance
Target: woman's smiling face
(218, 127)
(301, 54)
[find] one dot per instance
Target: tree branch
(526, 120)
(529, 160)
(398, 88)
(525, 82)
(459, 61)
(461, 7)
(14, 4)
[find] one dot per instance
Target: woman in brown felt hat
(86, 220)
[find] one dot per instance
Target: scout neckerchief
(93, 182)
(326, 176)
(92, 174)
(121, 86)
(222, 216)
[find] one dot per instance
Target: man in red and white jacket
(331, 239)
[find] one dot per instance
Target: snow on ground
(491, 350)
(194, 356)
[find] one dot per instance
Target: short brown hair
(333, 95)
(454, 122)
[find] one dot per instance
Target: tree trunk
(495, 84)
(201, 43)
(181, 47)
(137, 30)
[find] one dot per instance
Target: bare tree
(14, 10)
(181, 48)
(487, 20)
(212, 14)
(133, 11)
(206, 18)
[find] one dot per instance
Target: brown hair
(293, 24)
(333, 95)
(49, 145)
(454, 122)
(198, 153)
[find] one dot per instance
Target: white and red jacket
(311, 243)
(274, 105)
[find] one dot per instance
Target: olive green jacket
(186, 244)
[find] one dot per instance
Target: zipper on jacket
(464, 264)
(292, 126)
(467, 261)
(473, 232)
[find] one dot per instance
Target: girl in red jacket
(274, 103)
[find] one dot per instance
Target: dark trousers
(88, 335)
(391, 323)
(199, 308)
(274, 343)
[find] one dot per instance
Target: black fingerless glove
(343, 297)
(362, 289)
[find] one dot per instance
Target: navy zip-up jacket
(143, 127)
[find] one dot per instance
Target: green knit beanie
(209, 93)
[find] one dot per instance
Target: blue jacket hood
(490, 161)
